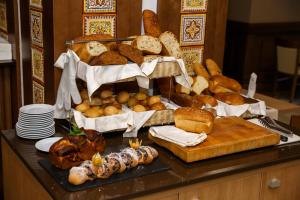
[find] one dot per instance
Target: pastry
(200, 70)
(82, 107)
(151, 25)
(213, 68)
(141, 96)
(133, 54)
(106, 93)
(111, 110)
(109, 58)
(153, 100)
(206, 99)
(170, 44)
(123, 97)
(132, 101)
(93, 112)
(218, 82)
(139, 108)
(194, 120)
(158, 106)
(230, 98)
(147, 44)
(199, 85)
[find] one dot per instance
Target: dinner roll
(132, 101)
(153, 100)
(141, 96)
(82, 107)
(84, 95)
(158, 106)
(139, 108)
(123, 97)
(194, 120)
(106, 93)
(111, 110)
(92, 113)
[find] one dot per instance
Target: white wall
(264, 11)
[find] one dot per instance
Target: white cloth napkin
(148, 67)
(224, 109)
(177, 136)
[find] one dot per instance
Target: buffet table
(263, 173)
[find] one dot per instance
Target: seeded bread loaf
(151, 25)
(133, 54)
(147, 44)
(109, 58)
(170, 44)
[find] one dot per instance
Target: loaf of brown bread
(171, 45)
(230, 98)
(133, 54)
(151, 25)
(109, 58)
(220, 83)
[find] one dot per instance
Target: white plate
(37, 109)
(35, 137)
(45, 144)
(36, 128)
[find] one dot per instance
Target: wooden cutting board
(229, 135)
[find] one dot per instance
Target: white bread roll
(147, 44)
(194, 120)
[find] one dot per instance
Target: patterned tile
(99, 6)
(99, 24)
(192, 55)
(37, 62)
(3, 17)
(38, 92)
(190, 6)
(36, 4)
(36, 27)
(192, 29)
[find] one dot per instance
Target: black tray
(61, 176)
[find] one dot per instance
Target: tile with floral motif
(99, 24)
(3, 17)
(192, 29)
(191, 55)
(37, 62)
(36, 4)
(190, 6)
(38, 92)
(36, 27)
(99, 6)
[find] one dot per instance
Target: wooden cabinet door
(281, 183)
(238, 188)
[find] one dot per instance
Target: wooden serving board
(229, 135)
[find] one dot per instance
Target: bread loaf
(133, 54)
(200, 70)
(87, 51)
(218, 81)
(147, 44)
(171, 45)
(230, 98)
(151, 25)
(194, 120)
(199, 85)
(109, 58)
(186, 100)
(129, 42)
(212, 67)
(206, 99)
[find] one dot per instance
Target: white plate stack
(35, 121)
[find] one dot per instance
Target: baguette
(151, 25)
(147, 44)
(217, 83)
(200, 70)
(230, 98)
(171, 45)
(212, 67)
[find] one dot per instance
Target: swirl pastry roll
(121, 165)
(130, 157)
(145, 155)
(79, 175)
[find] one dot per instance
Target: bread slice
(87, 51)
(171, 45)
(200, 84)
(147, 44)
(151, 25)
(131, 53)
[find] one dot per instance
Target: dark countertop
(180, 174)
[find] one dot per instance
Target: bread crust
(223, 81)
(151, 24)
(194, 119)
(109, 58)
(186, 100)
(200, 70)
(133, 54)
(212, 67)
(230, 98)
(206, 99)
(170, 44)
(147, 44)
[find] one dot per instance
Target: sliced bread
(147, 44)
(170, 44)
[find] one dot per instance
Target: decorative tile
(192, 55)
(38, 92)
(99, 6)
(3, 17)
(189, 6)
(36, 27)
(37, 62)
(192, 29)
(36, 3)
(99, 24)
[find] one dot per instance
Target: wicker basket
(161, 117)
(165, 69)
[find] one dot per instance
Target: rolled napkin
(177, 136)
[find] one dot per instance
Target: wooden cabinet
(281, 182)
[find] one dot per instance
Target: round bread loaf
(194, 120)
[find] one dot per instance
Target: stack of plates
(35, 121)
